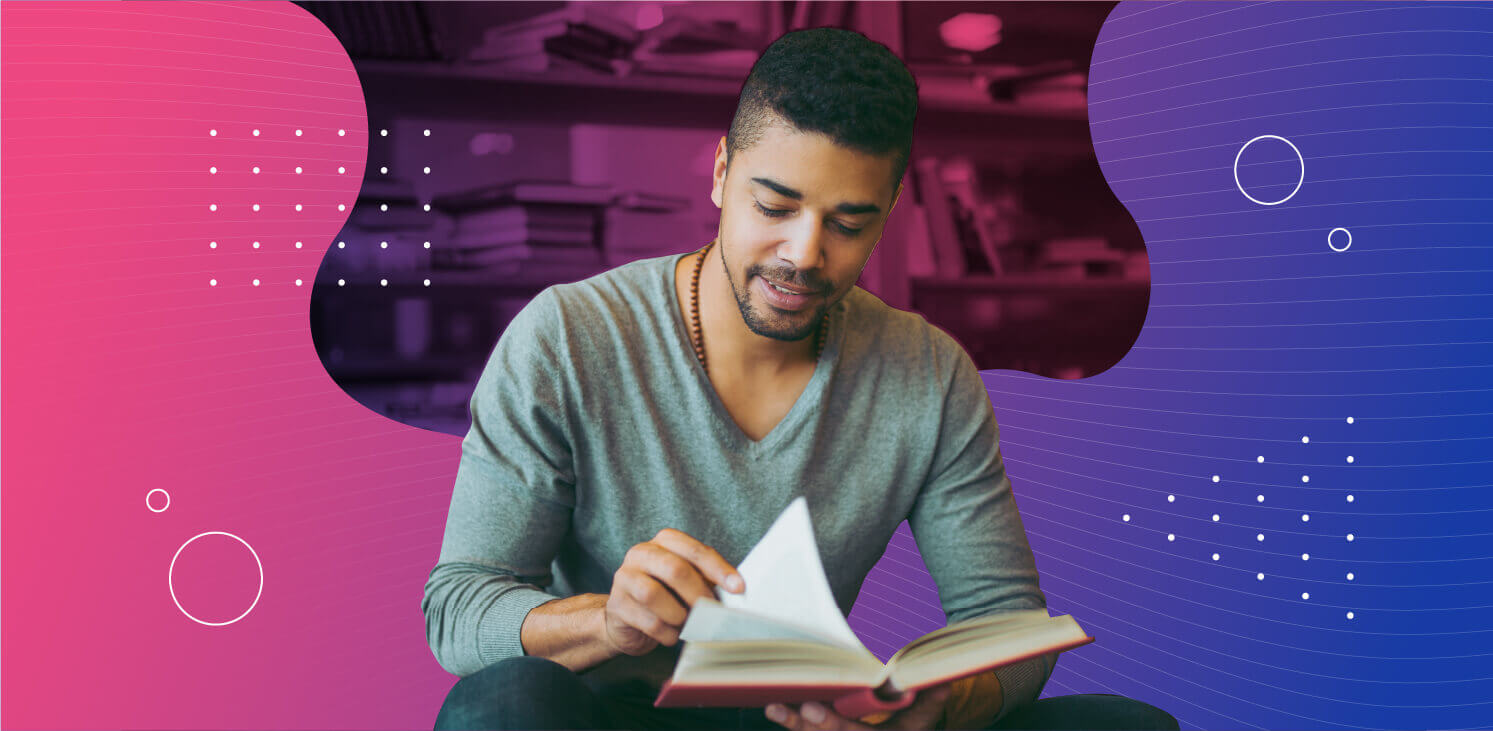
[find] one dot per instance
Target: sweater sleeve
(968, 530)
(512, 500)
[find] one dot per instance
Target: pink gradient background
(125, 371)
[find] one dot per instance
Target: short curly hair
(835, 82)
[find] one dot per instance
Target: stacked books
(534, 230)
(640, 225)
(579, 35)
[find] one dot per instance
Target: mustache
(792, 278)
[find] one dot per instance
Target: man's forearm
(569, 631)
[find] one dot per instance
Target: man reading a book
(634, 434)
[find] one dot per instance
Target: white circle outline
(163, 507)
(170, 586)
(1345, 248)
(1299, 159)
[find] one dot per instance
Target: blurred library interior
(514, 145)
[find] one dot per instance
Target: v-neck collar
(725, 425)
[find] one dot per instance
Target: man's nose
(805, 249)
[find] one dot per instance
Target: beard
(767, 321)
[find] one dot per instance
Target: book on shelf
(527, 254)
(526, 191)
(531, 216)
(591, 16)
(948, 256)
(784, 639)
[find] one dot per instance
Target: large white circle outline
(1299, 159)
(1345, 246)
(170, 586)
(152, 509)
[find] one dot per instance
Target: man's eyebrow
(787, 192)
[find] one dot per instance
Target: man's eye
(780, 212)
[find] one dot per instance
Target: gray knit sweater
(594, 426)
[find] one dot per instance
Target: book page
(784, 581)
(982, 643)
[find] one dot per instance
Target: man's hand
(658, 583)
(924, 713)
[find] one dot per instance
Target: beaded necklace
(694, 315)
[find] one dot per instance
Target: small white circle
(427, 244)
(1259, 577)
(341, 282)
(212, 244)
(427, 170)
(427, 133)
(256, 206)
(256, 133)
(1306, 478)
(297, 282)
(1350, 575)
(383, 244)
(1215, 557)
(1215, 517)
(341, 132)
(341, 207)
(1260, 459)
(383, 206)
(1350, 615)
(212, 206)
(1350, 498)
(256, 169)
(298, 170)
(298, 206)
(1305, 440)
(383, 133)
(384, 169)
(427, 206)
(342, 244)
(341, 169)
(1350, 420)
(213, 170)
(1350, 459)
(1305, 595)
(1215, 478)
(1171, 536)
(152, 507)
(1330, 245)
(1305, 517)
(1125, 517)
(170, 572)
(427, 282)
(383, 282)
(1259, 498)
(256, 282)
(212, 282)
(1171, 498)
(256, 244)
(1306, 557)
(1350, 537)
(1259, 536)
(298, 244)
(212, 133)
(297, 133)
(1298, 159)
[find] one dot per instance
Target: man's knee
(520, 692)
(1089, 711)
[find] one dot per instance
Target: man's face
(803, 213)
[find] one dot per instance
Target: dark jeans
(535, 693)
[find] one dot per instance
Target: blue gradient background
(1259, 334)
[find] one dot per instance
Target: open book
(784, 640)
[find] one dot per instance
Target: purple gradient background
(124, 371)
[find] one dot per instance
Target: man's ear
(718, 181)
(895, 197)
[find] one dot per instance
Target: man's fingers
(923, 712)
(657, 599)
(641, 619)
(706, 559)
(675, 572)
(811, 717)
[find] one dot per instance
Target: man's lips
(789, 287)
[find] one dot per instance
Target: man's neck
(730, 346)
